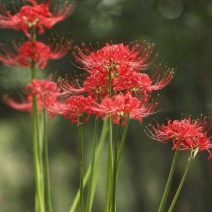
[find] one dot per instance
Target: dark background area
(181, 31)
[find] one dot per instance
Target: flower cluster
(122, 106)
(40, 89)
(29, 51)
(114, 82)
(28, 19)
(35, 16)
(185, 134)
(75, 108)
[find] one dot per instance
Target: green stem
(115, 169)
(180, 187)
(109, 167)
(90, 190)
(37, 151)
(122, 142)
(46, 165)
(38, 176)
(168, 184)
(77, 197)
(110, 149)
(81, 167)
(98, 160)
(99, 157)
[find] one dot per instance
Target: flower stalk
(91, 188)
(81, 165)
(180, 186)
(37, 151)
(115, 169)
(168, 184)
(110, 150)
(123, 139)
(46, 165)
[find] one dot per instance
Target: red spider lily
(125, 80)
(95, 85)
(38, 88)
(75, 108)
(35, 16)
(124, 61)
(133, 81)
(32, 51)
(43, 87)
(122, 106)
(142, 83)
(185, 134)
(137, 55)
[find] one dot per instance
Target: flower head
(75, 108)
(185, 134)
(38, 88)
(122, 106)
(119, 66)
(94, 85)
(43, 87)
(137, 55)
(30, 51)
(35, 16)
(142, 83)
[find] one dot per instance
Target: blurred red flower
(38, 88)
(35, 16)
(35, 51)
(185, 134)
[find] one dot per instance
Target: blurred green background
(182, 33)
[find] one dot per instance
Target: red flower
(135, 55)
(143, 83)
(33, 51)
(122, 106)
(76, 108)
(35, 16)
(43, 87)
(185, 134)
(96, 85)
(38, 88)
(133, 81)
(123, 62)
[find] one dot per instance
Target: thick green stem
(90, 190)
(46, 165)
(115, 170)
(37, 151)
(123, 139)
(110, 151)
(36, 154)
(180, 187)
(109, 168)
(81, 167)
(168, 184)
